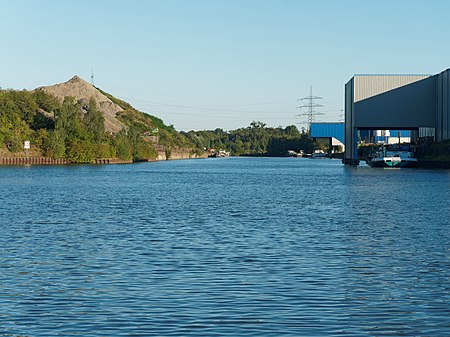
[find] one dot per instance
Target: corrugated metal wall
(410, 106)
(328, 130)
(395, 102)
(443, 106)
(371, 85)
(349, 130)
(446, 106)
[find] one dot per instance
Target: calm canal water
(224, 247)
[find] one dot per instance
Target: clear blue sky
(204, 64)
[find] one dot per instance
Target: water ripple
(234, 247)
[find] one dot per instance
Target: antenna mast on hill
(311, 106)
(92, 76)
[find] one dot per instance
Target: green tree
(21, 133)
(144, 151)
(40, 140)
(123, 146)
(292, 131)
(55, 147)
(94, 122)
(68, 120)
(80, 151)
(45, 101)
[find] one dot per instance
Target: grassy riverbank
(78, 123)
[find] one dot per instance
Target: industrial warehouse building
(418, 103)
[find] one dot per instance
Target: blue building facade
(328, 130)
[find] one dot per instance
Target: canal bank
(39, 160)
(4, 161)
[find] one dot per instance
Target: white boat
(220, 154)
(319, 154)
(392, 156)
(292, 153)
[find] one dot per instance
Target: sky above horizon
(201, 64)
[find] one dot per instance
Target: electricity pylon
(311, 105)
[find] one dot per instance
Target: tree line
(71, 129)
(75, 130)
(256, 139)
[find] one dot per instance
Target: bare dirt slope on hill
(81, 90)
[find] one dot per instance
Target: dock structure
(419, 103)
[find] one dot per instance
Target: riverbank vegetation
(256, 139)
(75, 130)
(149, 125)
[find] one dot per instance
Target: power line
(311, 105)
(225, 103)
(204, 108)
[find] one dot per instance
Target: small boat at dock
(319, 154)
(219, 154)
(392, 156)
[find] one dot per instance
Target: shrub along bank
(76, 131)
(256, 140)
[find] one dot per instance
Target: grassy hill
(79, 122)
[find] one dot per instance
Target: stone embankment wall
(186, 155)
(175, 155)
(161, 155)
(165, 153)
(112, 161)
